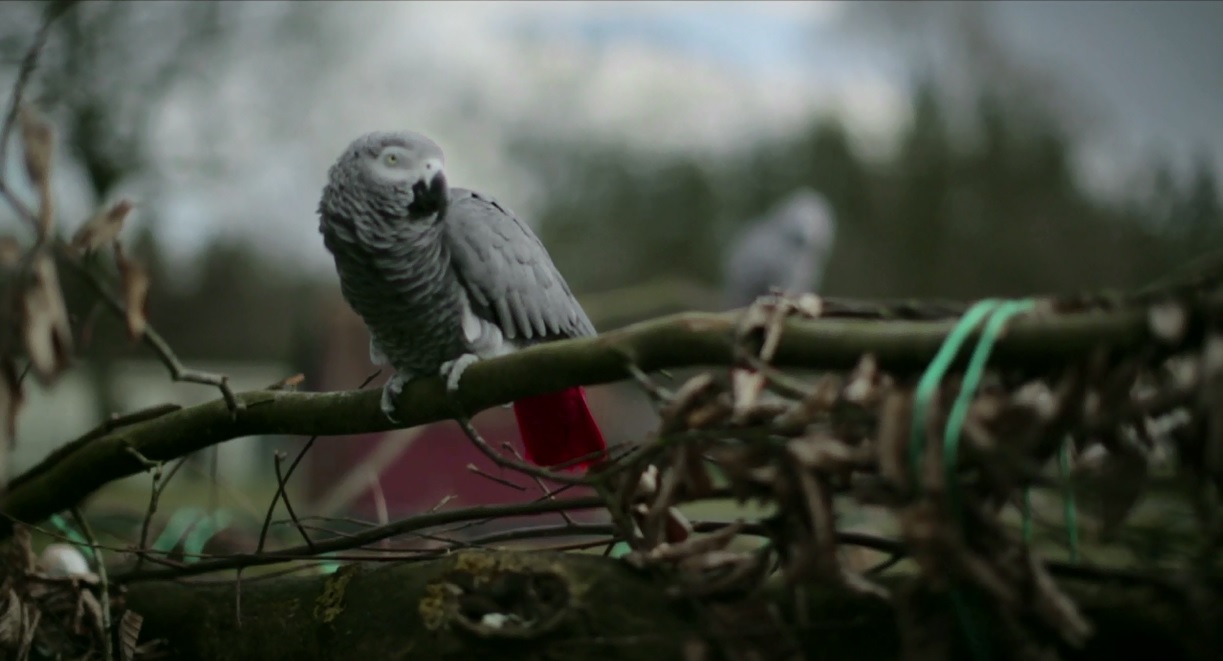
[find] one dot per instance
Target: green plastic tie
(1070, 511)
(1069, 508)
(194, 527)
(929, 381)
(968, 388)
(997, 313)
(70, 532)
(181, 521)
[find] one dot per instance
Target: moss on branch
(687, 340)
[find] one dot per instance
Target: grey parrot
(788, 248)
(443, 277)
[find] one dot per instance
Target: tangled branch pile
(796, 444)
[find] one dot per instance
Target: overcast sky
(246, 148)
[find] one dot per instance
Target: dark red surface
(433, 467)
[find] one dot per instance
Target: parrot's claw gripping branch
(390, 393)
(452, 371)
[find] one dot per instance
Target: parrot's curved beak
(430, 197)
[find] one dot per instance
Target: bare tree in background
(105, 69)
(105, 72)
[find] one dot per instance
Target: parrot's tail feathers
(557, 428)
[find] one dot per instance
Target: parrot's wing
(509, 277)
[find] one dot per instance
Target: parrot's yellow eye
(391, 159)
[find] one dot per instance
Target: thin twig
(542, 487)
(28, 64)
(442, 503)
(493, 478)
(280, 487)
(878, 568)
(513, 464)
(150, 337)
(154, 494)
(159, 486)
(280, 483)
(375, 487)
(103, 582)
(660, 395)
(405, 526)
(214, 469)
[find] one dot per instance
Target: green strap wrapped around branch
(995, 314)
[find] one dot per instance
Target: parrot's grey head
(806, 219)
(387, 177)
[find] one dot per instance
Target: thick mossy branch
(687, 340)
(506, 605)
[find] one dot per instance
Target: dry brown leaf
(88, 604)
(863, 383)
(129, 634)
(822, 453)
(48, 337)
(12, 620)
(893, 438)
(676, 526)
(1057, 609)
(694, 474)
(135, 292)
(822, 521)
(717, 540)
(746, 388)
(820, 399)
(695, 393)
(102, 228)
(38, 141)
(288, 383)
(18, 625)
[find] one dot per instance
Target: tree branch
(687, 340)
(595, 608)
(355, 540)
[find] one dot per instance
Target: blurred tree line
(992, 211)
